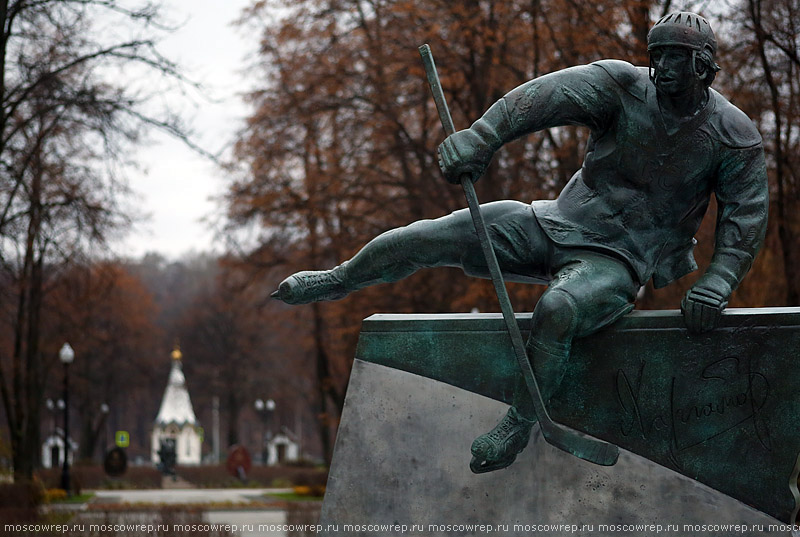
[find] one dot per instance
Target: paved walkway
(249, 520)
(251, 523)
(178, 496)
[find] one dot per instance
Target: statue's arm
(742, 196)
(582, 95)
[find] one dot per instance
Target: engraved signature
(723, 396)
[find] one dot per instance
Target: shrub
(207, 476)
(216, 476)
(24, 494)
(313, 491)
(302, 490)
(311, 479)
(19, 503)
(54, 495)
(86, 476)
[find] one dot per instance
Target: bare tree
(774, 27)
(65, 125)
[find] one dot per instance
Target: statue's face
(674, 71)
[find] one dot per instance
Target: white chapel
(176, 420)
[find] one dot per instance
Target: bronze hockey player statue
(662, 141)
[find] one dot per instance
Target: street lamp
(51, 411)
(105, 409)
(265, 408)
(66, 355)
(51, 407)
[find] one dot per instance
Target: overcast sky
(176, 186)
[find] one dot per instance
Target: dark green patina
(721, 407)
(587, 448)
(661, 143)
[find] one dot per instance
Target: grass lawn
(293, 497)
(75, 498)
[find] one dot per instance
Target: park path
(250, 521)
(182, 496)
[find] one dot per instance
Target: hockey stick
(584, 447)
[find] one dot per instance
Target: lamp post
(51, 407)
(105, 409)
(264, 408)
(66, 355)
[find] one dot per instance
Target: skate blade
(480, 466)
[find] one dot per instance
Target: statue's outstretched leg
(389, 257)
(588, 292)
(396, 254)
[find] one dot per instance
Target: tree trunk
(35, 380)
(788, 238)
(27, 370)
(90, 433)
(233, 419)
(324, 382)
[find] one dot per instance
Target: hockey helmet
(685, 29)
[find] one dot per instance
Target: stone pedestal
(401, 467)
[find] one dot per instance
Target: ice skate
(311, 286)
(498, 448)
